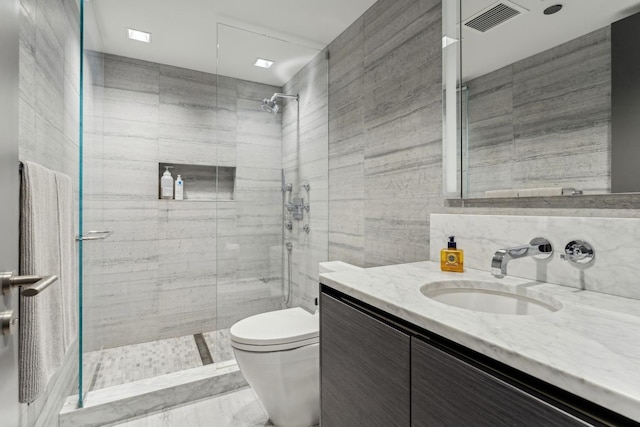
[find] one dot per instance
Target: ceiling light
(140, 36)
(264, 63)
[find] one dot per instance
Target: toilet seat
(276, 331)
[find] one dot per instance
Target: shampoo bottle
(179, 188)
(452, 258)
(166, 184)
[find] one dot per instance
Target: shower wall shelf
(202, 182)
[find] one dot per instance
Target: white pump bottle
(166, 184)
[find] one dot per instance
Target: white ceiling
(532, 31)
(185, 33)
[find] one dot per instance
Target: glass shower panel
(162, 290)
(259, 153)
(92, 152)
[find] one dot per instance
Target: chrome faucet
(539, 247)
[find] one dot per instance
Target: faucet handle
(578, 252)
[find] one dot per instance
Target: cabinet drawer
(447, 391)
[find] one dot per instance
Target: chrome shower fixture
(271, 106)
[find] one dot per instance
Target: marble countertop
(590, 347)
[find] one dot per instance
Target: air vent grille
(492, 17)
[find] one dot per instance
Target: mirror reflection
(537, 96)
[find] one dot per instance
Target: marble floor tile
(239, 408)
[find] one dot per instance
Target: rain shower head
(271, 106)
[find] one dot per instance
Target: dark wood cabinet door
(447, 391)
(364, 368)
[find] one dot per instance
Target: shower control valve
(306, 228)
(289, 225)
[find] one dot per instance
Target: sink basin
(490, 297)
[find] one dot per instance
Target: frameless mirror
(539, 99)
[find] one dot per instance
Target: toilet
(279, 355)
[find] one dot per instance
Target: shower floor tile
(121, 365)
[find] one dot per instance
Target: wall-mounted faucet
(539, 247)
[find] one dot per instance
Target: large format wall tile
(385, 134)
(178, 252)
(532, 122)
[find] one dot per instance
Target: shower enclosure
(167, 278)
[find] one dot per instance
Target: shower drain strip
(203, 349)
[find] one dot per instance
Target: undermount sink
(490, 297)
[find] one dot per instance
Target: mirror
(533, 113)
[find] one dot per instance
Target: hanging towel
(46, 248)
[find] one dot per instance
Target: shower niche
(203, 182)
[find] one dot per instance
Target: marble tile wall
(615, 241)
(533, 121)
(385, 134)
(49, 64)
(173, 268)
(305, 157)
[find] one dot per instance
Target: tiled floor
(239, 408)
(220, 343)
(120, 365)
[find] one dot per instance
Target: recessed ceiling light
(264, 63)
(140, 36)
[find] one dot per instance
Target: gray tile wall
(385, 134)
(305, 151)
(48, 134)
(385, 163)
(175, 268)
(534, 122)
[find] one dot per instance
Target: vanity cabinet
(365, 367)
(379, 370)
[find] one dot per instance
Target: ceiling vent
(493, 16)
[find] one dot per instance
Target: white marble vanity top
(590, 347)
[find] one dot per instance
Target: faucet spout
(539, 247)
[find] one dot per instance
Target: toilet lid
(276, 330)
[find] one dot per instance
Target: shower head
(271, 106)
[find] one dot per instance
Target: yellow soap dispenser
(452, 258)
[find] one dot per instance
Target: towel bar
(31, 285)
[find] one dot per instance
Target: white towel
(46, 248)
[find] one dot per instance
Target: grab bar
(95, 235)
(31, 285)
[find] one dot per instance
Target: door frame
(9, 201)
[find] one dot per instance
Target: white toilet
(279, 354)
